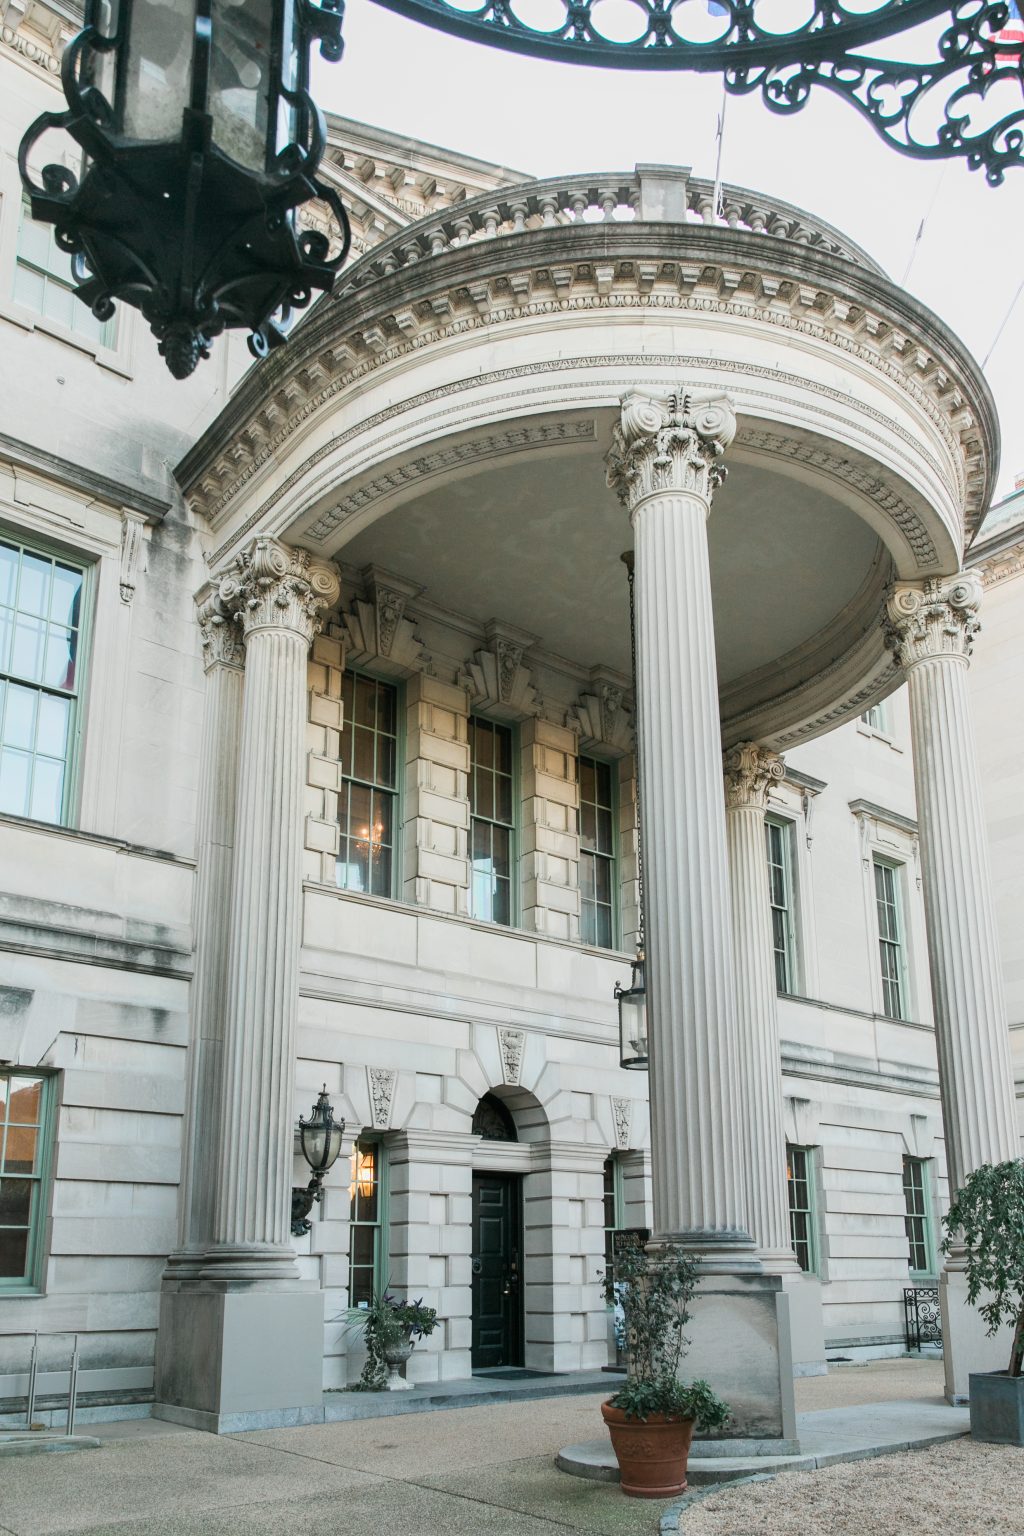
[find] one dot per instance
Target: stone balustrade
(611, 198)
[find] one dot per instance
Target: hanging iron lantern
(632, 1001)
(199, 141)
(320, 1138)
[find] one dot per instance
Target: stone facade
(183, 930)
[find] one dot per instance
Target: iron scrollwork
(922, 1316)
(968, 102)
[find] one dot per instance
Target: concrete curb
(32, 1442)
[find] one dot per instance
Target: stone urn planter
(997, 1407)
(652, 1452)
(396, 1352)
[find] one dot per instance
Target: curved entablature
(730, 301)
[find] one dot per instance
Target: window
(367, 1266)
(40, 639)
(43, 283)
(802, 1223)
(875, 718)
(24, 1152)
(890, 938)
(918, 1218)
(612, 1207)
(597, 853)
(491, 799)
(369, 790)
(779, 843)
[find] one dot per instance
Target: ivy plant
(986, 1220)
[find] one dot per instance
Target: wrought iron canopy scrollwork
(967, 102)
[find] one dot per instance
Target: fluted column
(931, 629)
(279, 597)
(223, 659)
(750, 771)
(664, 467)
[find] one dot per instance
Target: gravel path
(961, 1486)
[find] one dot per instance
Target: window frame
(513, 826)
(397, 793)
(899, 944)
(27, 540)
(925, 1216)
(32, 1283)
(381, 1227)
(613, 858)
(786, 826)
(808, 1211)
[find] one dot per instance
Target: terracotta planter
(651, 1452)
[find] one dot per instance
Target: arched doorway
(497, 1319)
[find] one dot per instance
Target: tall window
(876, 717)
(890, 939)
(43, 283)
(802, 1222)
(612, 1207)
(40, 636)
(779, 843)
(918, 1218)
(491, 802)
(24, 1142)
(369, 790)
(597, 853)
(367, 1268)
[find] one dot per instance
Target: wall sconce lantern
(632, 1001)
(320, 1137)
(199, 140)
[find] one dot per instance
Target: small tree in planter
(390, 1330)
(986, 1219)
(652, 1417)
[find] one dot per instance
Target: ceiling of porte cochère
(536, 542)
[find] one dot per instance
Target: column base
(966, 1345)
(741, 1342)
(240, 1358)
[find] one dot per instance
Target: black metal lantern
(199, 141)
(632, 1001)
(320, 1138)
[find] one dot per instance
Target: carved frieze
(935, 618)
(622, 1116)
(496, 680)
(377, 631)
(603, 717)
(274, 587)
(669, 443)
(750, 772)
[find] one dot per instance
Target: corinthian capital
(274, 587)
(750, 772)
(221, 636)
(934, 618)
(669, 443)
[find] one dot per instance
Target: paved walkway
(486, 1470)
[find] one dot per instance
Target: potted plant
(390, 1330)
(652, 1417)
(986, 1220)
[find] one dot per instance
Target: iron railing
(922, 1319)
(33, 1372)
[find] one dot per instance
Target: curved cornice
(629, 266)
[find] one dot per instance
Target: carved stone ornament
(667, 443)
(221, 637)
(934, 619)
(511, 1043)
(274, 587)
(750, 772)
(622, 1115)
(603, 718)
(496, 680)
(376, 627)
(132, 527)
(382, 1093)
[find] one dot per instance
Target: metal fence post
(72, 1387)
(30, 1408)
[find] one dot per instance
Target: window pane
(20, 1149)
(8, 575)
(28, 648)
(52, 725)
(15, 771)
(47, 796)
(500, 852)
(59, 303)
(26, 1100)
(588, 780)
(20, 718)
(483, 800)
(362, 754)
(365, 702)
(15, 1202)
(13, 1253)
(588, 826)
(481, 743)
(503, 749)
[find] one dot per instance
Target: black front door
(497, 1292)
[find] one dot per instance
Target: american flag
(1009, 40)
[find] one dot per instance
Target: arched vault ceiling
(536, 542)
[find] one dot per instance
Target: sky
(549, 119)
